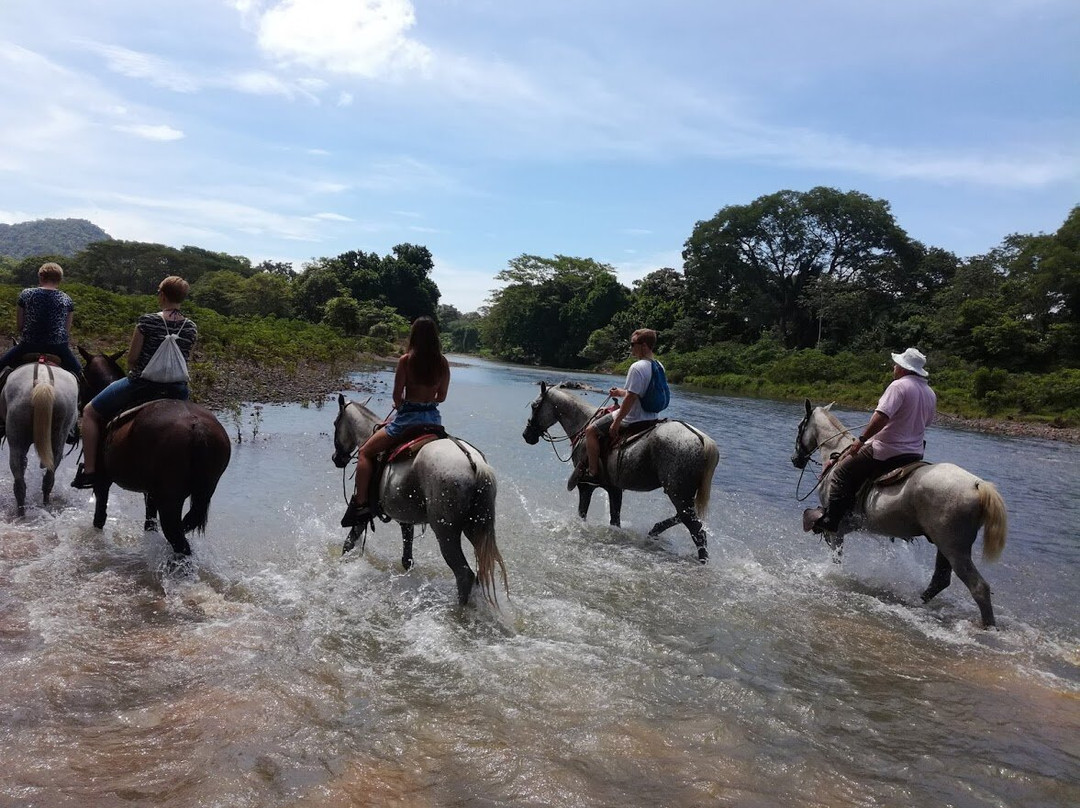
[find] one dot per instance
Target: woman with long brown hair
(420, 384)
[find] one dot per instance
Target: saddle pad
(899, 475)
(409, 448)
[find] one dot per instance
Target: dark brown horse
(168, 450)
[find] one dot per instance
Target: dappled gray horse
(39, 405)
(447, 485)
(941, 501)
(673, 456)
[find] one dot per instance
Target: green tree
(313, 289)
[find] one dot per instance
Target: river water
(618, 672)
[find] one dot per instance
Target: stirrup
(356, 514)
(83, 478)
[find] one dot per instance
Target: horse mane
(832, 419)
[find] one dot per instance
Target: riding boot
(356, 514)
(83, 478)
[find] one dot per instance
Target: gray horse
(673, 456)
(39, 406)
(447, 485)
(941, 501)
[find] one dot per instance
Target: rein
(825, 471)
(355, 453)
(576, 437)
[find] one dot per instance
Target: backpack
(167, 365)
(657, 395)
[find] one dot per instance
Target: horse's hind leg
(687, 514)
(150, 517)
(940, 580)
(660, 527)
(17, 464)
(450, 547)
(980, 590)
(172, 526)
(584, 494)
(614, 506)
(406, 546)
(47, 480)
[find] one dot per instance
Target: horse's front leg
(406, 546)
(172, 526)
(150, 518)
(584, 493)
(17, 465)
(101, 503)
(614, 497)
(688, 516)
(941, 578)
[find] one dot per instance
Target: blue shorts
(411, 414)
(124, 394)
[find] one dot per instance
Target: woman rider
(43, 318)
(150, 332)
(420, 385)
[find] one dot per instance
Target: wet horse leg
(406, 545)
(663, 525)
(101, 503)
(585, 493)
(980, 590)
(941, 578)
(150, 518)
(172, 525)
(17, 463)
(614, 506)
(688, 516)
(450, 547)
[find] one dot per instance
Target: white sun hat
(913, 360)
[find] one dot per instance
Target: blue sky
(483, 129)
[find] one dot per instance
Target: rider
(894, 437)
(420, 384)
(642, 345)
(150, 332)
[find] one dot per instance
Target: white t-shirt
(637, 381)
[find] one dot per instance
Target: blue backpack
(657, 395)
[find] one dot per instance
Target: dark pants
(68, 360)
(851, 471)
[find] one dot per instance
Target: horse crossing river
(619, 670)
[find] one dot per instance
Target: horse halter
(802, 455)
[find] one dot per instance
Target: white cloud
(160, 132)
(136, 65)
(358, 37)
(332, 217)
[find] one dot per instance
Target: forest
(797, 293)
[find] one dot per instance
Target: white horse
(447, 485)
(673, 456)
(941, 501)
(39, 406)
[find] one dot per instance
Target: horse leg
(660, 527)
(614, 496)
(47, 480)
(584, 493)
(150, 518)
(18, 473)
(941, 578)
(450, 547)
(980, 590)
(172, 526)
(406, 546)
(688, 516)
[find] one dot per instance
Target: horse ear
(340, 401)
(809, 408)
(85, 354)
(543, 387)
(115, 356)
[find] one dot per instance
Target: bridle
(531, 428)
(803, 456)
(356, 451)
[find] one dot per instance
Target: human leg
(358, 509)
(96, 414)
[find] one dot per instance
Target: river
(618, 671)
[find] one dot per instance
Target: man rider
(642, 345)
(894, 437)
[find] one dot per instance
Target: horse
(39, 406)
(674, 456)
(940, 501)
(168, 450)
(447, 484)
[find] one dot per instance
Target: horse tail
(995, 520)
(202, 482)
(704, 489)
(42, 398)
(482, 533)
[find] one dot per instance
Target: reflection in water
(619, 672)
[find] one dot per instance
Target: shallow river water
(618, 671)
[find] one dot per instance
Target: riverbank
(252, 383)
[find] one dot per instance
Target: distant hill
(48, 237)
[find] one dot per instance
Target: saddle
(889, 478)
(413, 439)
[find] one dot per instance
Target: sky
(290, 130)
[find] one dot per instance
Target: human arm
(399, 380)
(69, 322)
(444, 382)
(628, 400)
(135, 348)
(877, 423)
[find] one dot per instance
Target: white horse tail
(995, 521)
(42, 399)
(704, 490)
(482, 533)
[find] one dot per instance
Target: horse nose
(797, 461)
(530, 438)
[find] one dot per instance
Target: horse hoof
(149, 526)
(703, 555)
(465, 583)
(406, 563)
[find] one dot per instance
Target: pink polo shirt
(910, 404)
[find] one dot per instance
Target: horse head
(543, 415)
(99, 372)
(805, 439)
(349, 429)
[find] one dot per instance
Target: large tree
(750, 267)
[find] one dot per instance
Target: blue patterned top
(45, 315)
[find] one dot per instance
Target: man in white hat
(895, 436)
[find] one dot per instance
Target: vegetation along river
(618, 671)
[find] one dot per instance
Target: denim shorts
(125, 393)
(410, 414)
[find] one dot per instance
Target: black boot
(356, 514)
